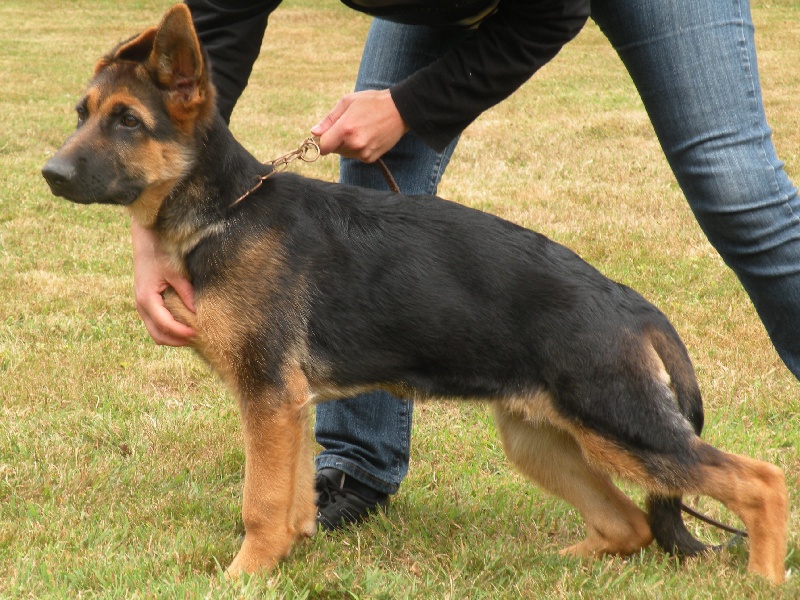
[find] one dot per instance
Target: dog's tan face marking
(124, 150)
(125, 103)
(127, 130)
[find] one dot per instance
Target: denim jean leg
(393, 52)
(694, 65)
(369, 436)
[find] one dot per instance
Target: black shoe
(342, 500)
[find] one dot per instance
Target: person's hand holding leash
(152, 274)
(363, 125)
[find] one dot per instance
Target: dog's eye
(128, 120)
(81, 115)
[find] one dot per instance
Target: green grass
(121, 462)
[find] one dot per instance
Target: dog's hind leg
(553, 458)
(278, 502)
(753, 490)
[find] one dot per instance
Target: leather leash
(700, 516)
(387, 175)
(308, 152)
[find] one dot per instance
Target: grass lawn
(121, 462)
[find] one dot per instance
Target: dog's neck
(198, 204)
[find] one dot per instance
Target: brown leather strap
(387, 175)
(698, 515)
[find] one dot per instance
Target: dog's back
(450, 301)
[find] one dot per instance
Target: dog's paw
(250, 560)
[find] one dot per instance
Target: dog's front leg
(278, 502)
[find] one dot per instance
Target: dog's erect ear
(171, 52)
(173, 59)
(177, 59)
(137, 49)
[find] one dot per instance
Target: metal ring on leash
(307, 152)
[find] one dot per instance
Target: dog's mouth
(63, 189)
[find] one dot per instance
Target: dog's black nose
(59, 173)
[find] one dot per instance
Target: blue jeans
(694, 65)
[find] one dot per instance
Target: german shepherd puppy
(307, 290)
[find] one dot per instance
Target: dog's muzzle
(75, 180)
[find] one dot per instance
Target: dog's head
(147, 101)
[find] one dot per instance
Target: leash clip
(307, 152)
(309, 149)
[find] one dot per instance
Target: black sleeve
(231, 32)
(441, 100)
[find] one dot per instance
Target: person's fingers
(321, 128)
(159, 322)
(184, 290)
(152, 274)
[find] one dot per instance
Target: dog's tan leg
(304, 517)
(274, 506)
(756, 492)
(552, 458)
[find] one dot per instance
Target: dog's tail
(664, 511)
(669, 530)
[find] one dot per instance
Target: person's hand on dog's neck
(152, 274)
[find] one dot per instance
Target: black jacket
(510, 41)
